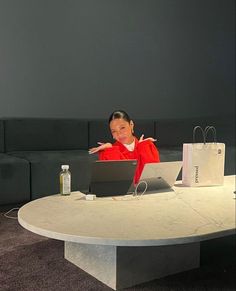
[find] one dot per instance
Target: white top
(130, 147)
(181, 216)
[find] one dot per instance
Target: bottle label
(66, 184)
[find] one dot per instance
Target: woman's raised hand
(141, 139)
(102, 146)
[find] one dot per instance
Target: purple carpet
(29, 262)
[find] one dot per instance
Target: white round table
(124, 241)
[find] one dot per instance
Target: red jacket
(144, 152)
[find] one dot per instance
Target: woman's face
(121, 130)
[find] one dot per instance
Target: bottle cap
(65, 167)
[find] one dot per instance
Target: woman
(126, 145)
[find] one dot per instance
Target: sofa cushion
(230, 160)
(99, 130)
(170, 155)
(14, 179)
(32, 134)
(1, 137)
(46, 166)
(176, 154)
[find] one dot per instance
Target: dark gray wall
(87, 58)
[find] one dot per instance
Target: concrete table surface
(155, 219)
(172, 222)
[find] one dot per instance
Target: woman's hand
(141, 139)
(102, 146)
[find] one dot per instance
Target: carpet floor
(29, 262)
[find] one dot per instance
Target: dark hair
(119, 114)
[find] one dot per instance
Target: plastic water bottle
(65, 180)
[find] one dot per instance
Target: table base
(121, 267)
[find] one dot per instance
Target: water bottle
(65, 180)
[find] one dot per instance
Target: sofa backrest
(99, 130)
(225, 128)
(175, 132)
(31, 134)
(1, 137)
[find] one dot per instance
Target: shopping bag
(203, 163)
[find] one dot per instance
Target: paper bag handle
(212, 128)
(203, 133)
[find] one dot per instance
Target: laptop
(112, 178)
(159, 176)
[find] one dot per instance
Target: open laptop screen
(160, 176)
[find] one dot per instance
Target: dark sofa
(46, 144)
(14, 175)
(33, 149)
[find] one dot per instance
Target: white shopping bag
(203, 163)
